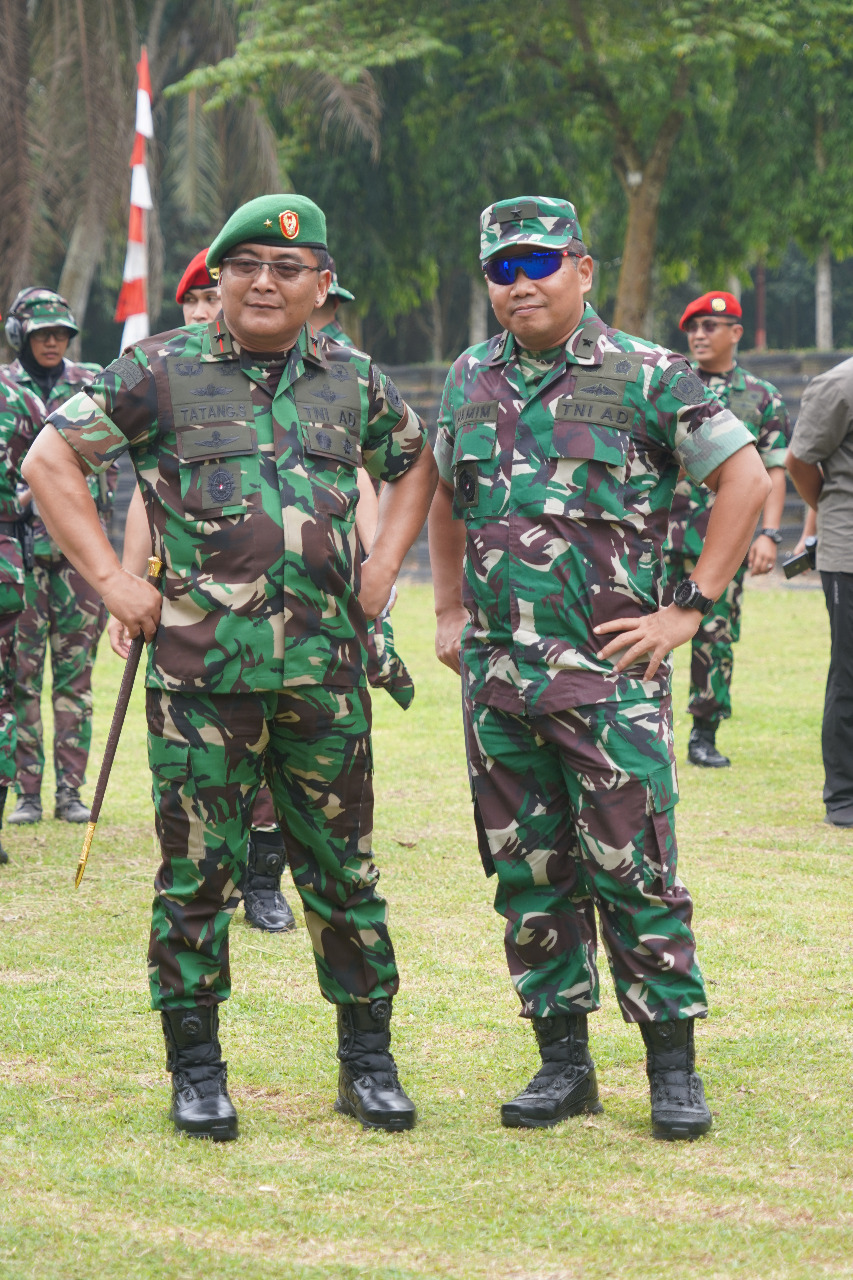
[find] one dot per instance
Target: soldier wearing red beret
(713, 327)
(198, 293)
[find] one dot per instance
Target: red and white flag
(132, 305)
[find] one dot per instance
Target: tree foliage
(695, 137)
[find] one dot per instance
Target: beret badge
(289, 223)
(718, 304)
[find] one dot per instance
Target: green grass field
(94, 1183)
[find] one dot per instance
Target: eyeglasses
(59, 334)
(708, 326)
(536, 265)
(285, 270)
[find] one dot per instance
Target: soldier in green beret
(325, 318)
(559, 445)
(246, 435)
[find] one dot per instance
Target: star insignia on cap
(267, 223)
(516, 214)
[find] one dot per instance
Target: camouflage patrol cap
(38, 308)
(337, 290)
(280, 220)
(544, 221)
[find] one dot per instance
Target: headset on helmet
(37, 308)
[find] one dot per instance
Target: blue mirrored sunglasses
(536, 265)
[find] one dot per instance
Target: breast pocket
(332, 454)
(588, 469)
(219, 469)
(478, 487)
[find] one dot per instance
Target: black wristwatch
(688, 596)
(773, 534)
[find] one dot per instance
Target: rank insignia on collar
(289, 223)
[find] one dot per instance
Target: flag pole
(132, 304)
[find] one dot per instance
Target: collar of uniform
(500, 348)
(583, 347)
(734, 377)
(311, 347)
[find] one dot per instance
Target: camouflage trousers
(385, 670)
(61, 610)
(574, 812)
(712, 659)
(208, 756)
(8, 722)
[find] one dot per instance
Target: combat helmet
(35, 309)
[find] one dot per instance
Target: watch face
(684, 592)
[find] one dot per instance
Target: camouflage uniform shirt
(761, 408)
(75, 376)
(247, 466)
(334, 331)
(21, 416)
(565, 488)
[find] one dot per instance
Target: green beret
(278, 220)
(543, 221)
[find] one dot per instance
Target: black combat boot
(69, 806)
(4, 857)
(264, 903)
(565, 1084)
(28, 809)
(200, 1103)
(701, 746)
(368, 1087)
(679, 1109)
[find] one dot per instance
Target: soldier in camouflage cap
(559, 445)
(20, 416)
(246, 434)
(62, 614)
(713, 327)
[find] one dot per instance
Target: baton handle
(155, 568)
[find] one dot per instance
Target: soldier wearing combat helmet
(246, 435)
(20, 417)
(713, 328)
(62, 612)
(559, 446)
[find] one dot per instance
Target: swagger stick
(155, 568)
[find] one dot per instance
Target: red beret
(712, 304)
(196, 276)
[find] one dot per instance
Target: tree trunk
(478, 312)
(734, 286)
(436, 329)
(634, 291)
(760, 308)
(823, 300)
(15, 195)
(81, 262)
